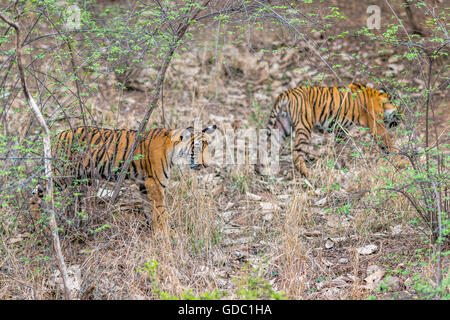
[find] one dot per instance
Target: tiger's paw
(301, 167)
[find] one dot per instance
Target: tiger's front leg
(386, 144)
(381, 135)
(155, 194)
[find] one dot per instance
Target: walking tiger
(108, 149)
(331, 109)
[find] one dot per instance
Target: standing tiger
(332, 108)
(94, 153)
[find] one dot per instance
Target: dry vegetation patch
(235, 234)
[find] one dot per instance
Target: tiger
(302, 109)
(99, 153)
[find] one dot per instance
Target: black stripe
(163, 169)
(143, 189)
(159, 181)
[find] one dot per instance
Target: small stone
(321, 202)
(329, 244)
(366, 250)
(373, 280)
(396, 230)
(269, 206)
(252, 196)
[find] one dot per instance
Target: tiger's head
(392, 117)
(381, 103)
(192, 147)
(279, 121)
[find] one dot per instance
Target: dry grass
(230, 225)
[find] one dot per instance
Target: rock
(243, 240)
(268, 217)
(252, 196)
(339, 239)
(321, 202)
(269, 206)
(329, 244)
(366, 250)
(231, 230)
(104, 193)
(396, 68)
(318, 192)
(373, 281)
(343, 260)
(227, 214)
(396, 230)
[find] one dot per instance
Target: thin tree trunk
(415, 29)
(153, 102)
(47, 158)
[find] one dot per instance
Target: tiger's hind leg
(298, 154)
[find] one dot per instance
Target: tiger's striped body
(94, 153)
(303, 108)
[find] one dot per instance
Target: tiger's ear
(383, 90)
(186, 133)
(210, 129)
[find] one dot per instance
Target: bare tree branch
(47, 156)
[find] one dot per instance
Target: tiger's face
(381, 104)
(390, 113)
(280, 123)
(192, 147)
